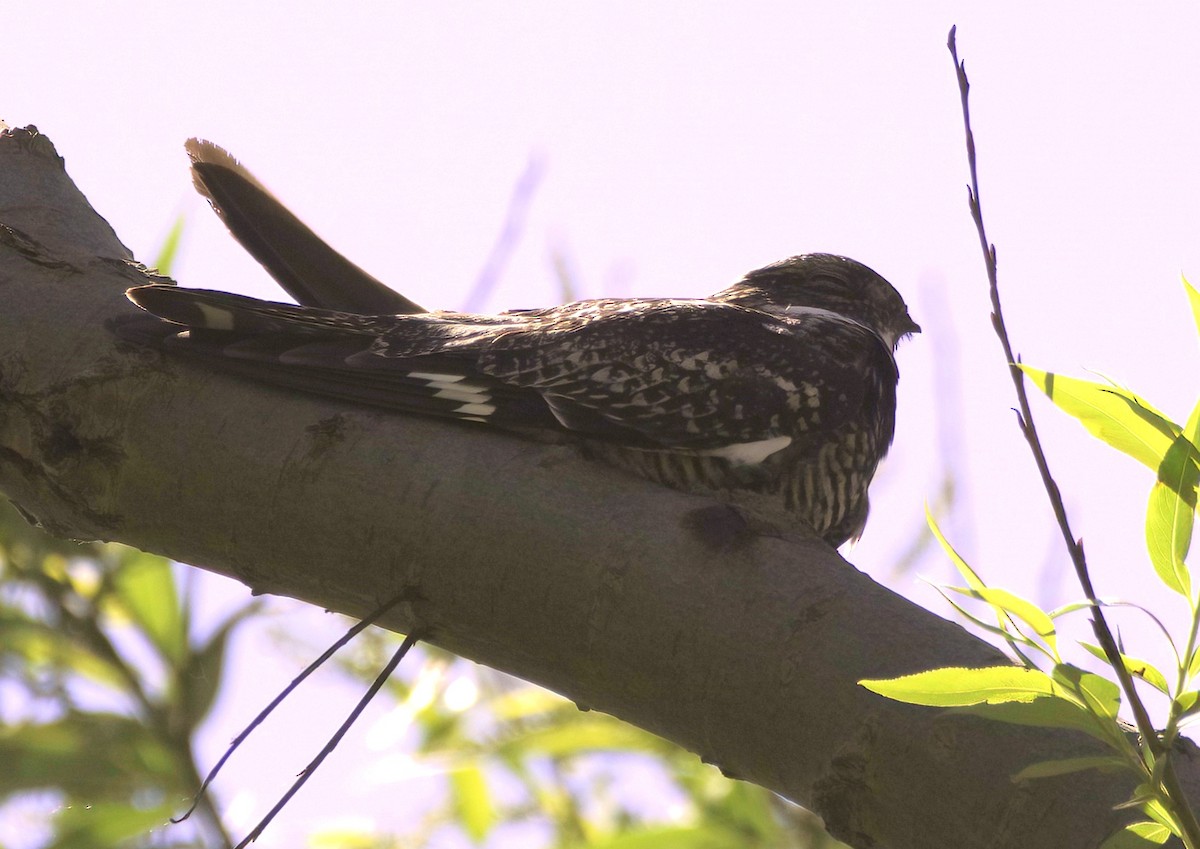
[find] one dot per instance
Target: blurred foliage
(1043, 688)
(518, 759)
(103, 687)
(165, 260)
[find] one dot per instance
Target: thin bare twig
(1104, 635)
(375, 687)
(510, 234)
(287, 691)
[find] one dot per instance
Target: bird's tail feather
(301, 262)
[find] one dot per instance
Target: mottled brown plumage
(779, 390)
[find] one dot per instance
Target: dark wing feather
(694, 374)
(329, 353)
(684, 374)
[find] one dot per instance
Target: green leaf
(86, 755)
(1099, 694)
(1194, 299)
(39, 645)
(108, 824)
(1065, 766)
(198, 681)
(1171, 513)
(1011, 604)
(747, 811)
(473, 801)
(525, 703)
(583, 734)
(1013, 638)
(1041, 713)
(1115, 415)
(959, 686)
(170, 247)
(708, 836)
(973, 580)
(1071, 608)
(977, 585)
(1136, 667)
(1186, 703)
(145, 590)
(1192, 428)
(1153, 808)
(344, 838)
(1138, 835)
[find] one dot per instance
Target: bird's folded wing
(685, 375)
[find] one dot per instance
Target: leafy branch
(1069, 697)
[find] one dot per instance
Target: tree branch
(525, 557)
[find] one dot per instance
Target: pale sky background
(684, 144)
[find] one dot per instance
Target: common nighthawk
(778, 390)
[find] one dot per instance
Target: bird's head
(829, 283)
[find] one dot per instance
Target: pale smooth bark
(521, 556)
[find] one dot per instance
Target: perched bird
(779, 390)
